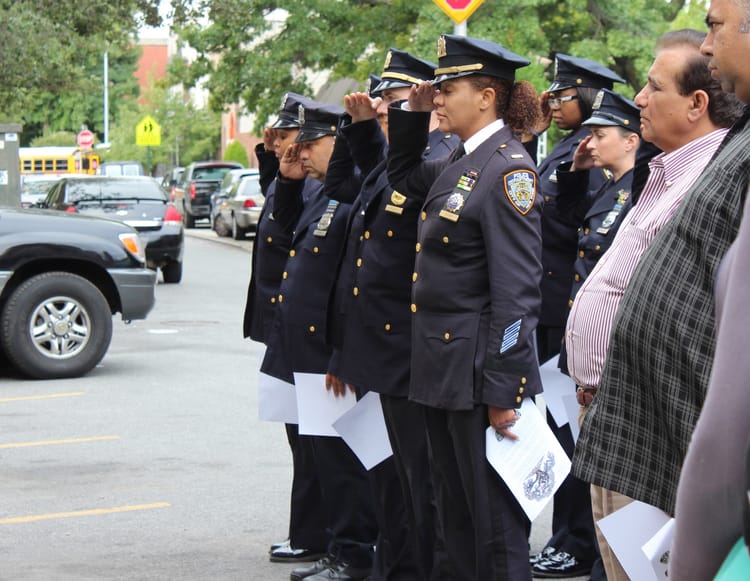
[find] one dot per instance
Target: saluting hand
(269, 135)
(290, 165)
(582, 157)
(502, 420)
(421, 97)
(361, 107)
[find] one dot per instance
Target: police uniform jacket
(297, 340)
(475, 296)
(560, 239)
(597, 215)
(373, 293)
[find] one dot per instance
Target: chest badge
(396, 204)
(520, 189)
(457, 200)
(321, 229)
(611, 217)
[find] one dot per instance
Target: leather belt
(585, 395)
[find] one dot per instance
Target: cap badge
(301, 115)
(284, 99)
(387, 62)
(598, 101)
(442, 51)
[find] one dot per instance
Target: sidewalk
(205, 233)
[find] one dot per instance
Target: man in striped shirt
(685, 114)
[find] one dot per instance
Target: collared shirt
(594, 307)
(483, 135)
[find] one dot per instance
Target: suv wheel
(237, 232)
(187, 218)
(56, 324)
(172, 272)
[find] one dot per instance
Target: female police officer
(476, 290)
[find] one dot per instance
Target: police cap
(571, 71)
(372, 82)
(611, 108)
(402, 69)
(290, 103)
(459, 56)
(317, 120)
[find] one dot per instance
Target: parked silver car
(240, 208)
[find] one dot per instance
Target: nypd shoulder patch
(520, 189)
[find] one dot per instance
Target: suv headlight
(132, 243)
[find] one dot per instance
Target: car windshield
(94, 190)
(249, 186)
(211, 173)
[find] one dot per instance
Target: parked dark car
(62, 277)
(139, 202)
(192, 195)
(241, 207)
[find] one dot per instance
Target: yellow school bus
(58, 160)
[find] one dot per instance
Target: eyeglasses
(557, 102)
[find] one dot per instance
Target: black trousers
(485, 528)
(347, 499)
(307, 516)
(410, 543)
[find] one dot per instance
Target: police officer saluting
(372, 309)
(475, 296)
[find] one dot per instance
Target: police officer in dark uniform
(308, 539)
(372, 342)
(475, 295)
(298, 337)
(568, 103)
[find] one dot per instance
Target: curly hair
(515, 103)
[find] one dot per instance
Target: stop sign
(85, 139)
(458, 10)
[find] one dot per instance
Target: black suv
(62, 277)
(192, 195)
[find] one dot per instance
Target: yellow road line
(91, 512)
(33, 397)
(56, 442)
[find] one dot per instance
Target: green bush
(235, 151)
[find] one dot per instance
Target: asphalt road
(154, 466)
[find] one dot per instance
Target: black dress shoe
(545, 553)
(288, 554)
(560, 565)
(317, 567)
(278, 545)
(340, 571)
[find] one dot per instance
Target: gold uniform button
(413, 308)
(519, 399)
(523, 381)
(577, 277)
(387, 326)
(361, 238)
(273, 300)
(418, 247)
(424, 216)
(447, 336)
(367, 234)
(269, 239)
(579, 230)
(586, 231)
(414, 277)
(521, 390)
(316, 250)
(570, 303)
(359, 263)
(597, 248)
(281, 298)
(285, 275)
(390, 233)
(355, 291)
(581, 254)
(312, 328)
(445, 240)
(292, 253)
(547, 198)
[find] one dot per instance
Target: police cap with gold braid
(459, 56)
(402, 69)
(317, 120)
(288, 112)
(571, 71)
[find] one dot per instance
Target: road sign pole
(459, 29)
(148, 159)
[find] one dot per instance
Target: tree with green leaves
(51, 60)
(252, 51)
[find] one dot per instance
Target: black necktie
(459, 152)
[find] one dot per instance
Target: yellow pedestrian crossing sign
(147, 132)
